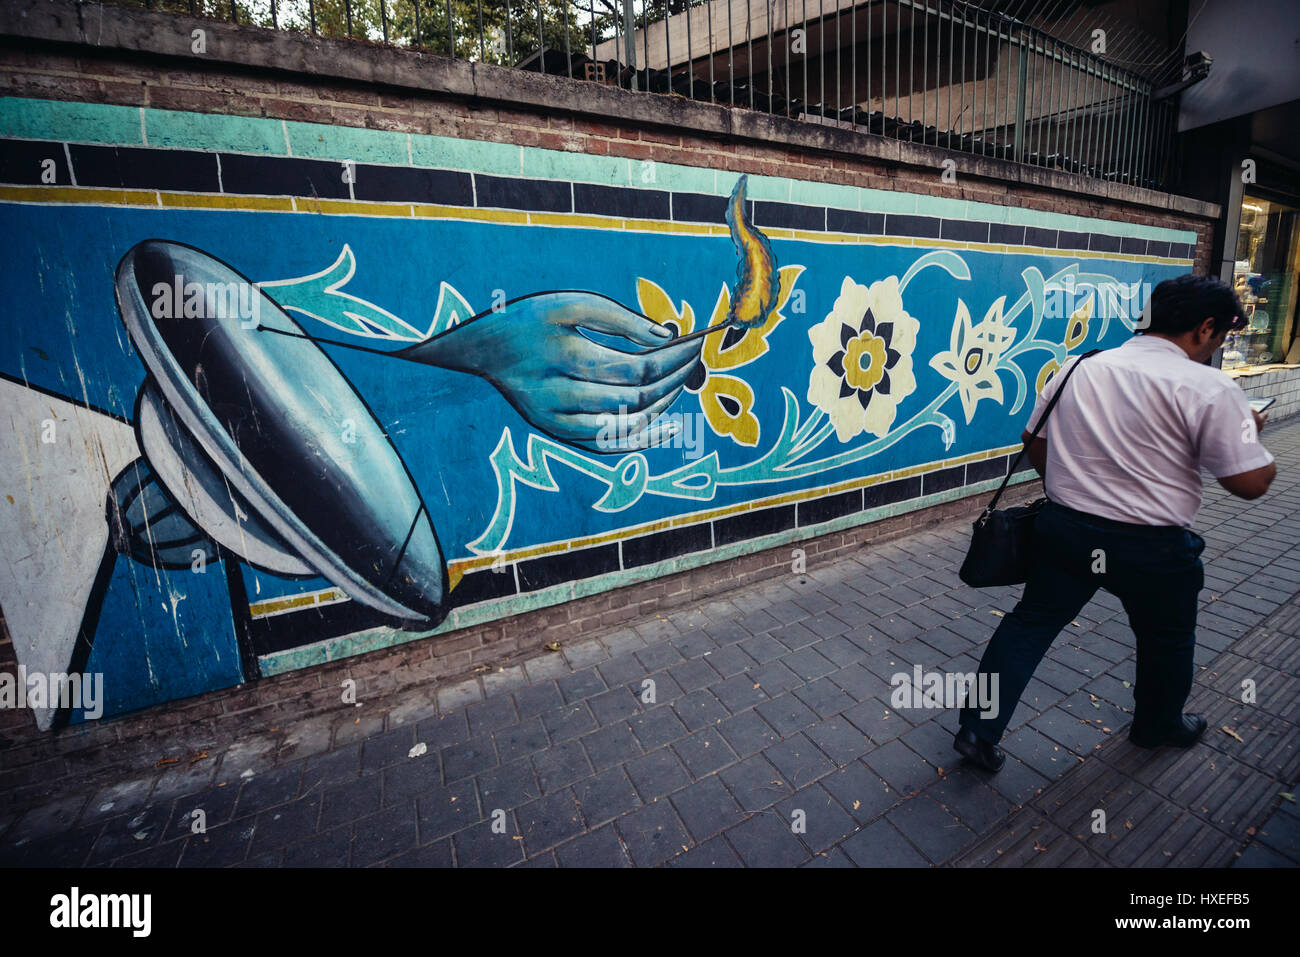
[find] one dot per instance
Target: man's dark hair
(1181, 304)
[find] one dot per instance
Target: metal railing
(952, 74)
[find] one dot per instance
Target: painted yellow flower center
(973, 360)
(864, 361)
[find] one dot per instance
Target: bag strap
(1033, 435)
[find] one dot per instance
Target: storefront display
(1265, 279)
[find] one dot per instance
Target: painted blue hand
(560, 359)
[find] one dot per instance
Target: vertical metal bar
(645, 41)
(925, 66)
(275, 16)
(668, 46)
(1090, 117)
(771, 39)
(311, 13)
(347, 8)
(868, 67)
(731, 57)
(839, 82)
(451, 28)
(911, 63)
(805, 57)
(898, 67)
(749, 45)
(988, 72)
(1106, 132)
(1000, 98)
(1022, 76)
(418, 34)
(952, 58)
(710, 48)
(510, 39)
(690, 58)
(383, 18)
(853, 62)
(821, 58)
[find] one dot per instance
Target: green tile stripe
(344, 646)
(134, 126)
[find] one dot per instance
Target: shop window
(1265, 277)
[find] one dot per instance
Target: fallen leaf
(166, 761)
(856, 805)
(553, 646)
(994, 611)
(1232, 734)
(1288, 796)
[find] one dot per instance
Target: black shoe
(1184, 734)
(980, 752)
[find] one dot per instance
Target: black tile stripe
(965, 231)
(1157, 248)
(483, 584)
(141, 168)
(898, 224)
(1132, 247)
(1006, 235)
(22, 162)
(987, 469)
(753, 524)
(1037, 236)
(538, 195)
(942, 480)
(888, 493)
(852, 221)
(413, 184)
(568, 566)
(1100, 242)
(619, 201)
(789, 215)
(699, 208)
(282, 176)
(1065, 239)
(818, 510)
(658, 546)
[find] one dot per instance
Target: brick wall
(586, 119)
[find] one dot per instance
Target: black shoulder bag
(1001, 540)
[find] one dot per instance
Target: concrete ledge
(148, 34)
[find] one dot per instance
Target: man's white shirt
(1134, 427)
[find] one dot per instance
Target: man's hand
(1260, 419)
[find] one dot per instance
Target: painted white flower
(972, 359)
(862, 354)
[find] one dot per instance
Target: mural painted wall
(276, 393)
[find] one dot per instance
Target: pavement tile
(606, 796)
(766, 840)
(707, 808)
(549, 820)
(880, 845)
(657, 773)
(599, 848)
(444, 811)
(652, 834)
(611, 745)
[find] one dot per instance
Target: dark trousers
(1155, 571)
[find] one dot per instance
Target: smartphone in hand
(1259, 405)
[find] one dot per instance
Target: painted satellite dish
(264, 442)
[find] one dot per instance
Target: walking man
(1121, 460)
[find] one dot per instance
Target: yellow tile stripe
(275, 606)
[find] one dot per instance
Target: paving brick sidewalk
(772, 706)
